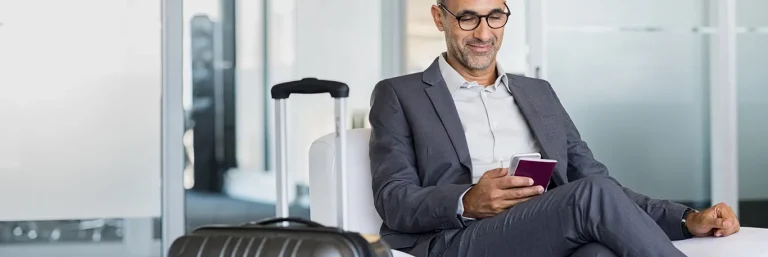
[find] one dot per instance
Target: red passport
(540, 170)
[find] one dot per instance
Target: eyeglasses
(470, 20)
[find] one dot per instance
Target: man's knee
(597, 182)
(593, 188)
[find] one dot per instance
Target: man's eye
(496, 17)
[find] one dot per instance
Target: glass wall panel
(634, 76)
(752, 60)
(647, 13)
(80, 153)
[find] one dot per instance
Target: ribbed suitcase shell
(276, 241)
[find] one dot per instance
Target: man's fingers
(727, 212)
(730, 223)
(515, 181)
(726, 231)
(715, 222)
(733, 229)
(727, 223)
(523, 192)
(719, 232)
(495, 173)
(730, 226)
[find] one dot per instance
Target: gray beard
(472, 62)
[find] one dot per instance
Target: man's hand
(495, 192)
(718, 220)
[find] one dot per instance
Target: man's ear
(437, 17)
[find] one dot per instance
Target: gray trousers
(588, 217)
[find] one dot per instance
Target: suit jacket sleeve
(402, 202)
(581, 163)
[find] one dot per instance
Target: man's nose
(483, 31)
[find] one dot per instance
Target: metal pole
(341, 162)
(281, 204)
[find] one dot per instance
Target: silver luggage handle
(339, 91)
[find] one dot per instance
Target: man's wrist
(684, 224)
(461, 211)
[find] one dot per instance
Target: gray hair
(441, 2)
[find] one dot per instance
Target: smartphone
(516, 160)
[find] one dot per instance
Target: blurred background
(99, 96)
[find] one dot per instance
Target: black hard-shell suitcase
(284, 235)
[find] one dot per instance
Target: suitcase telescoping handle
(310, 86)
(339, 91)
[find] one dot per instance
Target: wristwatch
(687, 233)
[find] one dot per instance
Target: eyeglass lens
(471, 21)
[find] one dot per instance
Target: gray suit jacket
(420, 161)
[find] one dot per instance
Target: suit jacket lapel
(532, 117)
(442, 100)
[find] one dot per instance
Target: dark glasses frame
(480, 17)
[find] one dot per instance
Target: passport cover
(540, 170)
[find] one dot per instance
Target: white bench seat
(749, 242)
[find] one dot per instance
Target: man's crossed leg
(593, 212)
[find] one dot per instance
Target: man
(440, 142)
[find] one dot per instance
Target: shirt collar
(454, 80)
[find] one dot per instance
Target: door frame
(173, 219)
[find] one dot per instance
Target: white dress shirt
(493, 124)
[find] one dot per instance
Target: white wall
(80, 109)
(249, 85)
(336, 40)
(514, 50)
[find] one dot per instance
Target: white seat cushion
(749, 242)
(322, 174)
